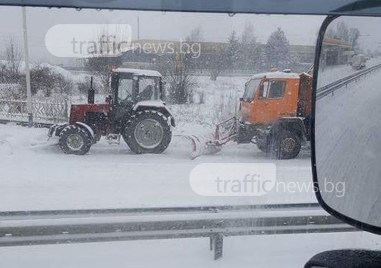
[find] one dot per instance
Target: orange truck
(275, 112)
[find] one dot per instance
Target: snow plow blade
(224, 133)
(200, 146)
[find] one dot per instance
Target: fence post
(217, 244)
(66, 109)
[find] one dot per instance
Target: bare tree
(342, 32)
(106, 54)
(176, 71)
(196, 35)
(216, 63)
(101, 67)
(224, 57)
(10, 70)
(13, 55)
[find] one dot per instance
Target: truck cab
(276, 102)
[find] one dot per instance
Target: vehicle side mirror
(346, 122)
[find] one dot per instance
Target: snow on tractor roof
(139, 72)
(274, 75)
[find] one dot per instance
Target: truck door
(271, 102)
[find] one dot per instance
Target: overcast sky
(154, 25)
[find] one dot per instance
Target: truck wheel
(75, 140)
(148, 132)
(287, 145)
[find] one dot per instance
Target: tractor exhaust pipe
(91, 93)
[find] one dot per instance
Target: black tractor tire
(148, 132)
(75, 140)
(285, 144)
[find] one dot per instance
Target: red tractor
(135, 111)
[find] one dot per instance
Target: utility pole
(27, 69)
(138, 28)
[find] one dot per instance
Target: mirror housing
(345, 124)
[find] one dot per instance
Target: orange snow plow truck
(274, 114)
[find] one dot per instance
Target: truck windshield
(251, 88)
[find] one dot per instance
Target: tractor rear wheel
(148, 132)
(75, 140)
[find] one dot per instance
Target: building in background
(336, 52)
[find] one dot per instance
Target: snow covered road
(36, 175)
(348, 128)
(272, 251)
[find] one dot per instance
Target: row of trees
(43, 79)
(343, 32)
(246, 53)
(241, 52)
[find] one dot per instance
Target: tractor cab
(131, 86)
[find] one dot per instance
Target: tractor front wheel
(75, 140)
(148, 132)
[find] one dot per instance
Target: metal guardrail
(332, 87)
(23, 228)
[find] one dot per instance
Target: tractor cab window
(148, 88)
(251, 88)
(272, 89)
(125, 90)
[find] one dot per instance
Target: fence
(43, 112)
